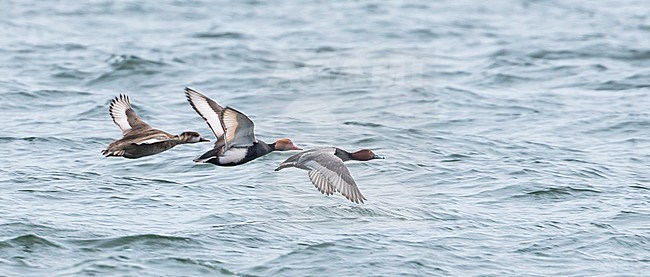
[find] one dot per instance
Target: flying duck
(327, 171)
(236, 143)
(140, 139)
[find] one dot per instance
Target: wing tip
(189, 89)
(193, 95)
(117, 109)
(189, 92)
(122, 99)
(357, 200)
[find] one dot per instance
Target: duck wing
(239, 129)
(321, 182)
(208, 109)
(124, 116)
(294, 160)
(148, 136)
(328, 173)
(154, 140)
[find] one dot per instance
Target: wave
(636, 81)
(620, 126)
(143, 240)
(44, 93)
(29, 241)
(220, 35)
(593, 51)
(558, 193)
(44, 139)
(364, 124)
(204, 266)
(122, 66)
(131, 62)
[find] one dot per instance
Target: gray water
(517, 137)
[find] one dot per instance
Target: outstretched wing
(328, 172)
(208, 109)
(239, 129)
(124, 116)
(321, 182)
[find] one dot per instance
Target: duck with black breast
(236, 142)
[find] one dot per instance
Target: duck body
(236, 155)
(139, 139)
(133, 146)
(236, 142)
(327, 171)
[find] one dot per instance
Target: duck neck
(178, 139)
(181, 139)
(265, 148)
(343, 155)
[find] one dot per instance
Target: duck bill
(293, 147)
(375, 156)
(204, 140)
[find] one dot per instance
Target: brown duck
(140, 139)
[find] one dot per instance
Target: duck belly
(233, 156)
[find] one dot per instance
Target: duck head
(365, 155)
(285, 144)
(191, 137)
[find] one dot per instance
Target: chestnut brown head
(365, 155)
(285, 144)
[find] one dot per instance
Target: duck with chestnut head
(236, 143)
(139, 139)
(327, 171)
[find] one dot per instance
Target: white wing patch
(152, 141)
(117, 109)
(208, 109)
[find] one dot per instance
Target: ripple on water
(29, 243)
(27, 98)
(594, 51)
(123, 66)
(220, 35)
(364, 124)
(354, 212)
(150, 241)
(193, 266)
(558, 193)
(514, 145)
(636, 81)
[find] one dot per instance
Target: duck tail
(118, 153)
(205, 157)
(285, 165)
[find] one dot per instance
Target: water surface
(517, 137)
